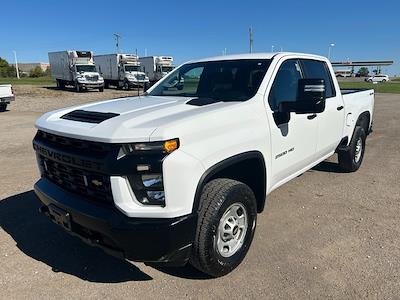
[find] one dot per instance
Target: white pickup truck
(6, 96)
(179, 174)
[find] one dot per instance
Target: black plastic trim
(88, 116)
(152, 240)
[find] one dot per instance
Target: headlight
(151, 147)
(148, 188)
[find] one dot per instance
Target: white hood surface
(138, 118)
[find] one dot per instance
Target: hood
(135, 121)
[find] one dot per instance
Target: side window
(319, 69)
(284, 88)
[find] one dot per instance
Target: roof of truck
(261, 55)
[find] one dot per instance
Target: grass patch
(28, 80)
(387, 87)
(396, 79)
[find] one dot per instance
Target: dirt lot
(323, 235)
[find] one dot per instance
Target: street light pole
(330, 50)
(16, 63)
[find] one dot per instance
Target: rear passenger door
(331, 120)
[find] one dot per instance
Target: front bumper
(7, 99)
(91, 85)
(166, 241)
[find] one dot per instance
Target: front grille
(92, 78)
(91, 185)
(75, 145)
(140, 77)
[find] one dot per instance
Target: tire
(58, 83)
(370, 80)
(350, 160)
(78, 89)
(101, 89)
(3, 107)
(384, 80)
(221, 200)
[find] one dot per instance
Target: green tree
(363, 72)
(5, 69)
(36, 72)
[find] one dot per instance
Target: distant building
(28, 67)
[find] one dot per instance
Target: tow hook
(44, 209)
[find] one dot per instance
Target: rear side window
(315, 69)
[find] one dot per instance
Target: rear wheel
(350, 160)
(226, 226)
(3, 107)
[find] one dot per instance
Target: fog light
(148, 188)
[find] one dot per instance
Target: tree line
(7, 70)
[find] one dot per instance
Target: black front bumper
(165, 241)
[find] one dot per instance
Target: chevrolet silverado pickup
(179, 174)
(6, 96)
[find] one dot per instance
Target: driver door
(293, 142)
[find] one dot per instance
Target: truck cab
(179, 174)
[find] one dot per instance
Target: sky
(360, 30)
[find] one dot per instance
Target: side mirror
(310, 98)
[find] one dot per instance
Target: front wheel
(101, 89)
(78, 88)
(350, 160)
(3, 107)
(226, 226)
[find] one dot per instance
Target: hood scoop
(88, 116)
(202, 101)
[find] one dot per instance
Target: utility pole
(117, 37)
(251, 39)
(16, 63)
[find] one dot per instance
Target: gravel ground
(324, 235)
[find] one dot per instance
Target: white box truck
(121, 70)
(75, 68)
(156, 67)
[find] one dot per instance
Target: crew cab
(180, 173)
(6, 96)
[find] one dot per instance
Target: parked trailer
(156, 67)
(121, 70)
(75, 68)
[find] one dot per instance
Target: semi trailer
(75, 68)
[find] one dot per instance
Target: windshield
(132, 68)
(86, 68)
(166, 69)
(229, 80)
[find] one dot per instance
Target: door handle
(340, 107)
(310, 117)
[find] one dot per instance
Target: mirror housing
(310, 98)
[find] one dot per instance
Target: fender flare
(213, 170)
